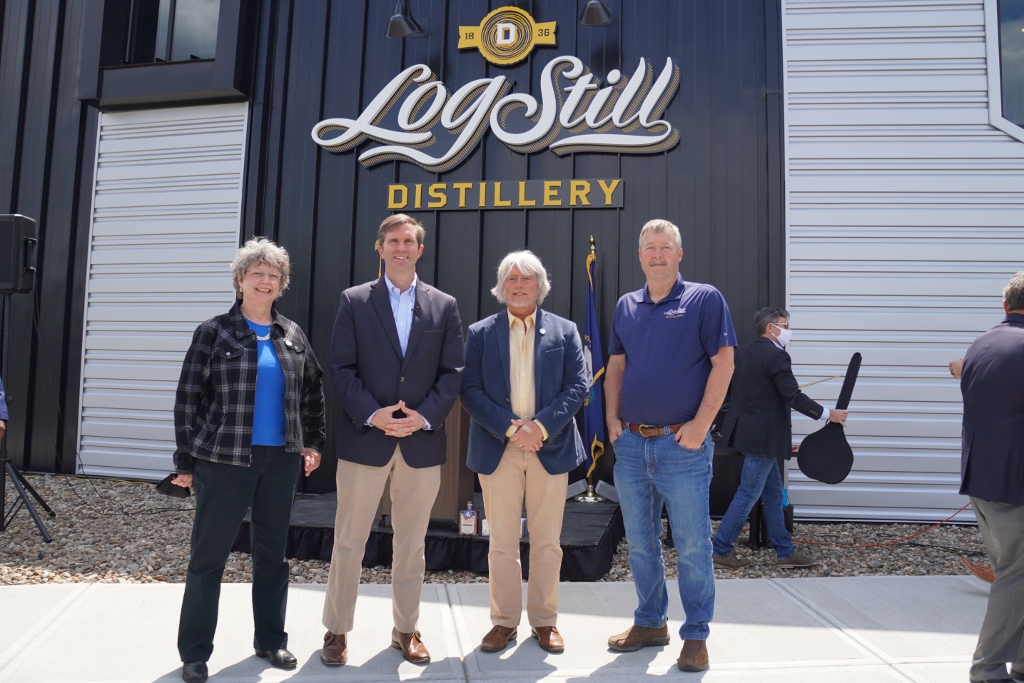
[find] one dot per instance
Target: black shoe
(282, 659)
(194, 672)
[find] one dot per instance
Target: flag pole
(590, 496)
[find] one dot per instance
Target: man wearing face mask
(758, 425)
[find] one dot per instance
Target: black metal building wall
(317, 59)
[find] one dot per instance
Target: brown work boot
(335, 651)
(729, 561)
(412, 647)
(795, 561)
(497, 638)
(549, 638)
(694, 656)
(636, 637)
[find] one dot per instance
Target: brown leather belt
(647, 431)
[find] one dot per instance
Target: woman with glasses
(248, 416)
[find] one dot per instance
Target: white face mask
(784, 335)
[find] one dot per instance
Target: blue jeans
(649, 474)
(760, 479)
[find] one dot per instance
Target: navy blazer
(369, 371)
(560, 380)
(992, 383)
(763, 392)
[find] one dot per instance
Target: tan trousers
(360, 487)
(520, 475)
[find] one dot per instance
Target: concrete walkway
(839, 630)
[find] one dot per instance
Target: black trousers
(223, 494)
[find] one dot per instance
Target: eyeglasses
(260, 275)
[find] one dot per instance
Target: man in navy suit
(396, 362)
(992, 467)
(758, 425)
(525, 380)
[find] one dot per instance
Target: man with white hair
(992, 467)
(523, 383)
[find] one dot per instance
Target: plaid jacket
(216, 395)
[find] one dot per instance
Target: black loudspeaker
(17, 253)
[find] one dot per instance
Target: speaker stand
(21, 485)
(23, 488)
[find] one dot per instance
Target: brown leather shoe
(335, 650)
(636, 637)
(694, 656)
(549, 638)
(411, 646)
(497, 638)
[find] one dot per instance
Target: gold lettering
(437, 192)
(483, 195)
(394, 191)
(523, 201)
(608, 190)
(462, 187)
(498, 201)
(418, 201)
(579, 189)
(551, 188)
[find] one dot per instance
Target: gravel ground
(123, 532)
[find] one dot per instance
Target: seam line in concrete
(837, 626)
(30, 641)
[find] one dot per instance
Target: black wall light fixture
(595, 14)
(403, 24)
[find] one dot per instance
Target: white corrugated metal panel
(905, 219)
(165, 227)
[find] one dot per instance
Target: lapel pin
(543, 331)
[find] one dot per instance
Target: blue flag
(593, 406)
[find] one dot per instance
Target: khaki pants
(520, 475)
(360, 487)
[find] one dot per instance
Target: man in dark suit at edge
(758, 425)
(992, 466)
(396, 363)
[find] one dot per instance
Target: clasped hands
(527, 436)
(385, 420)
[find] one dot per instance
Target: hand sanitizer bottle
(469, 521)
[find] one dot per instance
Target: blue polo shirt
(668, 347)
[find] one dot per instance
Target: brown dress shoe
(694, 656)
(411, 646)
(549, 638)
(335, 650)
(729, 561)
(636, 637)
(497, 638)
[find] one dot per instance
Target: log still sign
(507, 194)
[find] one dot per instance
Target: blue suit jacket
(369, 371)
(992, 384)
(560, 381)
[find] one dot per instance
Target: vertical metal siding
(904, 213)
(165, 226)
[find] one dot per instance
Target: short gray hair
(660, 225)
(260, 250)
(767, 316)
(528, 265)
(1013, 293)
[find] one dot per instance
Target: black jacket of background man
(763, 392)
(992, 464)
(370, 372)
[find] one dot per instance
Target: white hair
(528, 265)
(661, 225)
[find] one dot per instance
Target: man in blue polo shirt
(671, 361)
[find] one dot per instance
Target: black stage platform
(590, 534)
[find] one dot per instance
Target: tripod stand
(21, 485)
